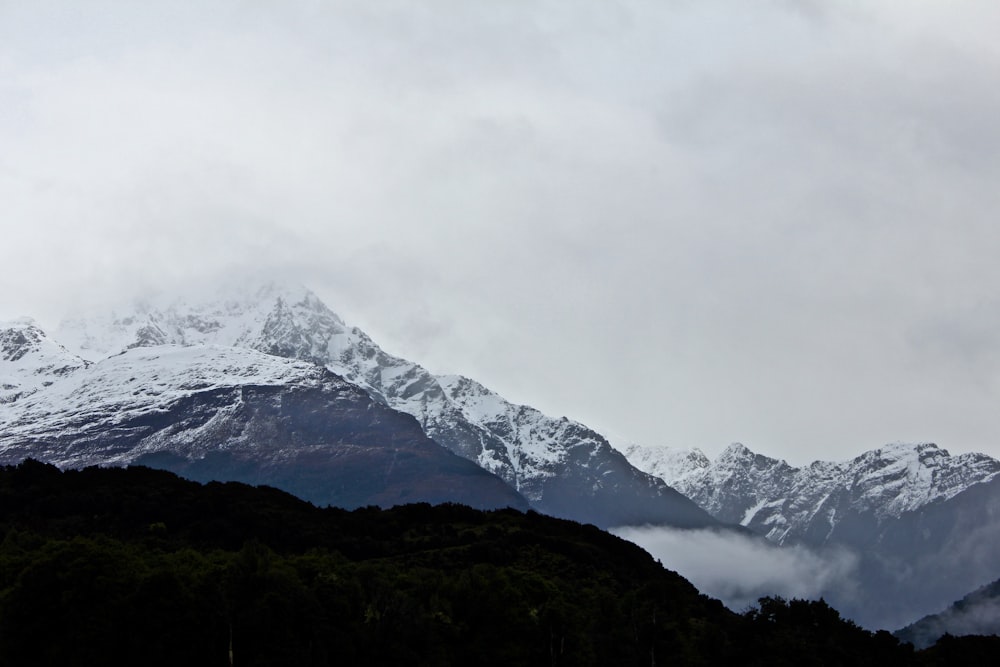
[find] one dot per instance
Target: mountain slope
(562, 467)
(978, 613)
(30, 360)
(236, 414)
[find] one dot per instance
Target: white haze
(738, 570)
(977, 619)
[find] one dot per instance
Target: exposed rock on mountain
(29, 360)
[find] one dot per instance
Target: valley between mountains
(267, 385)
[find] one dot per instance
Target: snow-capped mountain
(30, 360)
(667, 463)
(924, 524)
(561, 467)
(788, 504)
(228, 413)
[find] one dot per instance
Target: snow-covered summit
(667, 462)
(561, 466)
(902, 477)
(273, 318)
(30, 360)
(240, 316)
(788, 504)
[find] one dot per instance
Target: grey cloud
(688, 223)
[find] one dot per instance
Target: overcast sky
(682, 223)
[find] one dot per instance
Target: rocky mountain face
(923, 523)
(30, 361)
(561, 467)
(978, 613)
(212, 412)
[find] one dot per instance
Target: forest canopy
(104, 566)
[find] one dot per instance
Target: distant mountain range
(268, 385)
(925, 524)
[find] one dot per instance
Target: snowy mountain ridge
(560, 466)
(802, 504)
(292, 322)
(923, 525)
(30, 360)
(140, 383)
(212, 412)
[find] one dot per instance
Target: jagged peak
(683, 457)
(697, 456)
(31, 360)
(737, 449)
(17, 338)
(271, 291)
(23, 336)
(228, 314)
(16, 342)
(232, 298)
(226, 296)
(900, 449)
(896, 453)
(736, 452)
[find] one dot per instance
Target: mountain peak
(666, 463)
(18, 338)
(896, 451)
(256, 295)
(30, 360)
(559, 465)
(261, 316)
(739, 455)
(736, 450)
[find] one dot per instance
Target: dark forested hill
(108, 566)
(978, 613)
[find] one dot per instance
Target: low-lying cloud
(977, 615)
(739, 569)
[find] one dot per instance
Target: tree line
(113, 566)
